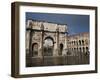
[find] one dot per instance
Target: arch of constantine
(41, 33)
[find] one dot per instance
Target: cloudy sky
(76, 23)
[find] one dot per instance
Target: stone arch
(49, 37)
(74, 49)
(82, 42)
(77, 49)
(83, 49)
(74, 42)
(48, 46)
(61, 48)
(35, 49)
(87, 49)
(80, 49)
(79, 42)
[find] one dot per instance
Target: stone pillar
(85, 48)
(28, 25)
(40, 46)
(30, 40)
(65, 46)
(40, 53)
(56, 45)
(27, 41)
(65, 50)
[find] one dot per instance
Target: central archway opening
(48, 46)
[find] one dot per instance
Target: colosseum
(78, 43)
(49, 44)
